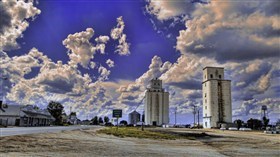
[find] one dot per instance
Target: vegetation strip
(137, 133)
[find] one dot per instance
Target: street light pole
(198, 118)
(175, 116)
(194, 112)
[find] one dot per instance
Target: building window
(205, 95)
(211, 76)
(205, 124)
(205, 100)
(205, 85)
(205, 107)
(205, 114)
(205, 76)
(219, 84)
(220, 76)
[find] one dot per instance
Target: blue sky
(52, 50)
(61, 18)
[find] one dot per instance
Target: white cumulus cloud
(117, 34)
(15, 16)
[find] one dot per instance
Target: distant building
(17, 115)
(134, 117)
(216, 98)
(157, 104)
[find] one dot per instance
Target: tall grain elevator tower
(157, 104)
(216, 98)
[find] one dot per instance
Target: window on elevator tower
(211, 75)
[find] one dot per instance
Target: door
(154, 123)
(17, 122)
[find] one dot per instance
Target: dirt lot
(88, 143)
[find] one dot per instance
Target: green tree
(278, 122)
(239, 123)
(36, 107)
(56, 110)
(100, 120)
(124, 122)
(73, 114)
(106, 119)
(254, 124)
(95, 120)
(265, 121)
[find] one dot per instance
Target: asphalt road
(36, 130)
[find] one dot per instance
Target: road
(36, 130)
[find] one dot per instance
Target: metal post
(197, 118)
(194, 112)
(193, 119)
(117, 123)
(175, 116)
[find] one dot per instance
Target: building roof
(20, 111)
(11, 110)
(213, 67)
(134, 112)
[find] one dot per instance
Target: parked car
(245, 129)
(233, 129)
(223, 128)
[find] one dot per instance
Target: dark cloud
(252, 77)
(192, 84)
(232, 31)
(228, 45)
(5, 18)
(271, 7)
(57, 86)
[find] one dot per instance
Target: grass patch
(136, 132)
(147, 133)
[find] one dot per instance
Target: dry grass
(138, 133)
(147, 143)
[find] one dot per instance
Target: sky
(96, 56)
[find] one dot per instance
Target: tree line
(56, 109)
(254, 124)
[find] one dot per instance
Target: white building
(17, 115)
(216, 98)
(157, 104)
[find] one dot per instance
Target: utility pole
(143, 119)
(175, 116)
(194, 112)
(198, 118)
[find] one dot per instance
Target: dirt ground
(85, 143)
